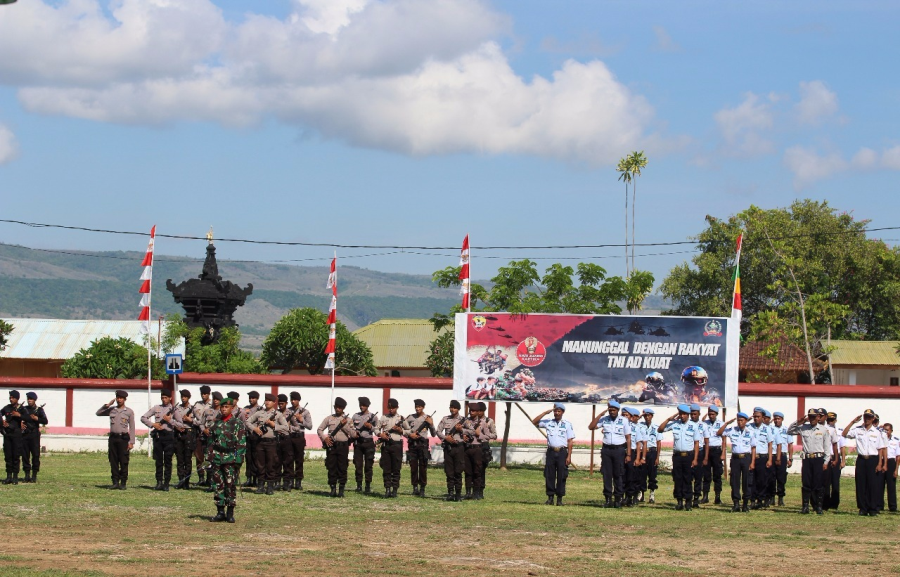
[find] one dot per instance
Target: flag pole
(332, 324)
(331, 403)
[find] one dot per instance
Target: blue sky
(414, 123)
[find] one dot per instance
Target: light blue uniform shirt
(684, 434)
(652, 436)
(763, 438)
(780, 437)
(741, 441)
(614, 430)
(638, 434)
(712, 427)
(558, 433)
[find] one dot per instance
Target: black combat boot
(781, 501)
(422, 492)
(8, 480)
(416, 490)
(559, 501)
(458, 495)
(27, 477)
(229, 515)
(805, 509)
(260, 489)
(34, 476)
(608, 503)
(617, 503)
(549, 500)
(718, 500)
(696, 503)
(15, 479)
(479, 494)
(299, 484)
(115, 485)
(359, 487)
(341, 491)
(818, 504)
(200, 477)
(687, 504)
(368, 488)
(220, 515)
(449, 496)
(270, 490)
(468, 493)
(746, 507)
(296, 484)
(333, 491)
(286, 486)
(180, 483)
(159, 485)
(165, 486)
(705, 499)
(736, 507)
(387, 492)
(122, 484)
(680, 505)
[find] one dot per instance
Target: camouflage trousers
(224, 482)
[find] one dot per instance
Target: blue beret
(714, 409)
(559, 406)
(742, 415)
(778, 414)
(684, 408)
(695, 407)
(633, 411)
(766, 413)
(758, 409)
(613, 404)
(649, 411)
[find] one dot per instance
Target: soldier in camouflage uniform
(225, 453)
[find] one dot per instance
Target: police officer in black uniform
(34, 418)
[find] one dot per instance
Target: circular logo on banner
(531, 352)
(712, 329)
(478, 322)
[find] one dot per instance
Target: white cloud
(864, 159)
(742, 127)
(664, 41)
(817, 103)
(8, 145)
(413, 77)
(891, 158)
(809, 166)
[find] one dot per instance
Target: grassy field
(70, 525)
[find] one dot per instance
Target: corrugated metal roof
(399, 343)
(61, 339)
(865, 353)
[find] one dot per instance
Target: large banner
(594, 358)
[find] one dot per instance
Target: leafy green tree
(298, 340)
(223, 356)
(109, 358)
(636, 162)
(519, 288)
(5, 330)
(626, 176)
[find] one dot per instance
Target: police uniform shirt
(487, 431)
(813, 438)
(260, 418)
(300, 420)
(868, 442)
(412, 423)
(704, 431)
(684, 435)
(558, 432)
(386, 425)
(178, 417)
(741, 441)
(780, 438)
(447, 427)
(360, 419)
(651, 436)
(893, 448)
(614, 430)
(200, 409)
(342, 434)
(712, 439)
(249, 410)
(121, 421)
(638, 434)
(158, 412)
(763, 438)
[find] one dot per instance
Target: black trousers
(266, 456)
(252, 444)
(697, 476)
(682, 475)
(474, 467)
(12, 451)
(163, 451)
(391, 463)
(31, 452)
(813, 480)
(832, 488)
(632, 478)
(119, 456)
(771, 478)
(298, 444)
(650, 470)
(454, 465)
(418, 457)
(556, 471)
(285, 458)
(612, 462)
(740, 477)
(712, 471)
(184, 452)
(867, 487)
(336, 460)
(780, 475)
(363, 460)
(890, 485)
(759, 478)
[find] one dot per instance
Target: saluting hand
(857, 419)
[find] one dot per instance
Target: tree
(625, 175)
(636, 162)
(222, 356)
(440, 355)
(298, 341)
(109, 358)
(5, 330)
(807, 262)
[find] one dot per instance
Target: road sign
(174, 364)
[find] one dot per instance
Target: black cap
(217, 396)
(282, 398)
(185, 393)
(165, 393)
(271, 397)
(253, 395)
(393, 404)
(31, 395)
(365, 402)
(295, 396)
(822, 412)
(480, 406)
(340, 403)
(454, 404)
(205, 390)
(868, 413)
(120, 394)
(14, 394)
(234, 394)
(419, 403)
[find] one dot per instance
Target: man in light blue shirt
(759, 475)
(651, 461)
(634, 468)
(616, 450)
(687, 437)
(743, 457)
(713, 466)
(784, 454)
(560, 438)
(697, 472)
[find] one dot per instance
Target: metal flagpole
(334, 294)
(149, 362)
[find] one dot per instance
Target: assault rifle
(335, 430)
(425, 424)
(30, 414)
(399, 425)
(369, 421)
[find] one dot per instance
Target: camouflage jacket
(227, 441)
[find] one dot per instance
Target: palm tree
(635, 162)
(624, 170)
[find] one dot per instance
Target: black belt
(162, 432)
(684, 453)
(391, 442)
(740, 455)
(126, 436)
(814, 455)
(295, 435)
(339, 443)
(557, 449)
(866, 456)
(619, 446)
(267, 440)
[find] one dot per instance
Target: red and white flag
(147, 278)
(332, 315)
(464, 273)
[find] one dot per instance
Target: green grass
(69, 524)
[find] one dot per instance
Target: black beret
(295, 396)
(340, 403)
(217, 396)
(185, 393)
(204, 390)
(253, 395)
(234, 394)
(454, 404)
(364, 402)
(282, 398)
(393, 404)
(165, 393)
(121, 394)
(419, 403)
(481, 406)
(14, 394)
(271, 397)
(32, 396)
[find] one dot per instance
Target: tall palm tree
(636, 161)
(624, 170)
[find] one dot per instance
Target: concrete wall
(880, 377)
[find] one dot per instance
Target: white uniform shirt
(713, 439)
(893, 447)
(867, 441)
(614, 430)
